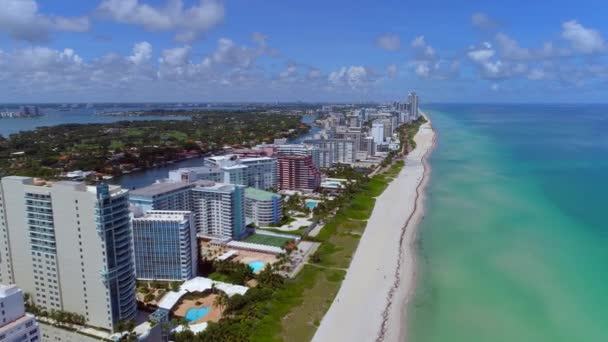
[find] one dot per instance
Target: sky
(328, 51)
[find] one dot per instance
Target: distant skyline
(311, 51)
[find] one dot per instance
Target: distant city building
(15, 324)
(69, 246)
(413, 104)
(219, 210)
(263, 208)
(259, 172)
(165, 245)
(378, 132)
(298, 173)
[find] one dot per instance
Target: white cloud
(142, 53)
(175, 56)
(231, 54)
(290, 72)
(422, 70)
(482, 21)
(314, 74)
(510, 48)
(583, 39)
(353, 77)
(392, 71)
(422, 50)
(481, 55)
(189, 23)
(21, 20)
(389, 42)
(418, 42)
(536, 75)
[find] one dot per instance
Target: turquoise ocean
(514, 243)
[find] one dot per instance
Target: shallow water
(514, 245)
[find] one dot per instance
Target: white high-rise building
(378, 132)
(260, 172)
(15, 324)
(69, 246)
(219, 210)
(334, 151)
(165, 245)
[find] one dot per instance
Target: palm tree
(221, 301)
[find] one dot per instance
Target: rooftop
(159, 188)
(162, 215)
(260, 195)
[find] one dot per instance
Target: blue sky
(250, 50)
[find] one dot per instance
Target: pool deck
(214, 314)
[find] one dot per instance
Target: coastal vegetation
(116, 148)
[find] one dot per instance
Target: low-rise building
(15, 324)
(263, 208)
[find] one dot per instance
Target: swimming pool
(311, 204)
(256, 266)
(194, 314)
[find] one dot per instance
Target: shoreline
(382, 271)
(406, 292)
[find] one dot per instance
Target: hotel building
(165, 246)
(15, 324)
(263, 208)
(69, 246)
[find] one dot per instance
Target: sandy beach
(371, 303)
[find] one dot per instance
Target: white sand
(370, 305)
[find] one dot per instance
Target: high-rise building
(413, 104)
(334, 151)
(219, 210)
(165, 245)
(198, 197)
(378, 132)
(298, 173)
(263, 208)
(15, 324)
(69, 246)
(301, 150)
(162, 196)
(259, 172)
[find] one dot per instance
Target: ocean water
(514, 243)
(54, 117)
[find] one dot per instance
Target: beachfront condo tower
(219, 210)
(69, 246)
(165, 246)
(298, 173)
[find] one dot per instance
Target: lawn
(267, 240)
